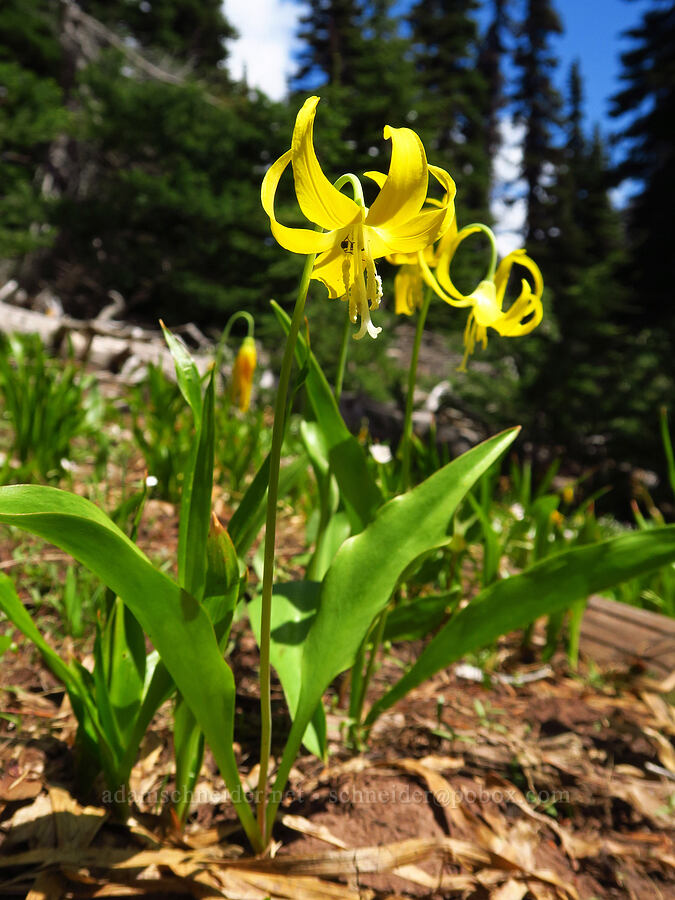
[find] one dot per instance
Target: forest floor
(552, 784)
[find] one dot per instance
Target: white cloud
(507, 203)
(264, 49)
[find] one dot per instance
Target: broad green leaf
(158, 688)
(223, 578)
(333, 528)
(419, 617)
(101, 694)
(126, 668)
(220, 597)
(541, 511)
(294, 606)
(329, 541)
(365, 572)
(359, 491)
(188, 742)
(554, 584)
(187, 374)
(195, 509)
(491, 545)
(177, 625)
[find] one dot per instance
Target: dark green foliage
(647, 105)
(580, 395)
(47, 403)
(190, 30)
(537, 105)
(492, 50)
(29, 36)
(170, 216)
(356, 58)
(31, 115)
(453, 97)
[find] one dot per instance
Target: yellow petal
(297, 240)
(518, 258)
(450, 189)
(445, 242)
(378, 177)
(455, 299)
(445, 258)
(329, 270)
(415, 234)
(486, 308)
(407, 290)
(527, 304)
(319, 200)
(406, 185)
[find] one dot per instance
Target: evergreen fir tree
(330, 33)
(31, 115)
(454, 96)
(581, 395)
(492, 50)
(192, 31)
(537, 106)
(354, 55)
(647, 100)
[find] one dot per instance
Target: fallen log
(105, 343)
(616, 632)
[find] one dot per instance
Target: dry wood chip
(76, 826)
(299, 887)
(33, 824)
(667, 685)
(510, 890)
(313, 829)
(356, 861)
(665, 750)
(510, 851)
(663, 713)
(48, 886)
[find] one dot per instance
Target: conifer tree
(647, 101)
(355, 56)
(156, 195)
(581, 395)
(454, 95)
(192, 31)
(331, 36)
(537, 106)
(31, 115)
(492, 50)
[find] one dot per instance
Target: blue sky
(592, 33)
(593, 28)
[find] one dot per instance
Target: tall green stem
(412, 380)
(270, 535)
(342, 358)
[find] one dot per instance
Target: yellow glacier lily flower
(242, 374)
(487, 300)
(353, 236)
(408, 281)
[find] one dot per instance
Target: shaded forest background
(131, 162)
